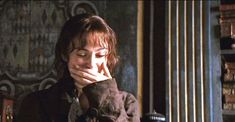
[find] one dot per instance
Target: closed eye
(81, 53)
(100, 55)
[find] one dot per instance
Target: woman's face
(90, 57)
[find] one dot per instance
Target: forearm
(111, 104)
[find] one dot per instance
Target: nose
(91, 61)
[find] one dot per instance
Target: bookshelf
(227, 52)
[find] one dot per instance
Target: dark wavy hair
(75, 34)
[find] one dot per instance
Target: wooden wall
(193, 84)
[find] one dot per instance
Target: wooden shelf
(228, 51)
(229, 82)
(228, 55)
(228, 112)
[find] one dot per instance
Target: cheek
(100, 62)
(75, 61)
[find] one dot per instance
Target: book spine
(229, 98)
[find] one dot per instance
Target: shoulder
(33, 99)
(29, 108)
(37, 104)
(30, 98)
(37, 96)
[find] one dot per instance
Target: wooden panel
(188, 69)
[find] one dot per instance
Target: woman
(85, 57)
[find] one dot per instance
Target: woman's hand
(84, 77)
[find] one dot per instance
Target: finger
(83, 74)
(88, 71)
(80, 80)
(106, 70)
(100, 69)
(102, 72)
(87, 76)
(76, 68)
(98, 77)
(79, 75)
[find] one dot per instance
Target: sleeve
(108, 104)
(29, 110)
(131, 107)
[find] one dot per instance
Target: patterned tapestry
(29, 30)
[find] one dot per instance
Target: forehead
(95, 39)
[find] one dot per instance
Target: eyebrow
(95, 50)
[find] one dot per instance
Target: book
(227, 91)
(228, 106)
(229, 66)
(229, 98)
(227, 7)
(229, 77)
(225, 29)
(227, 20)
